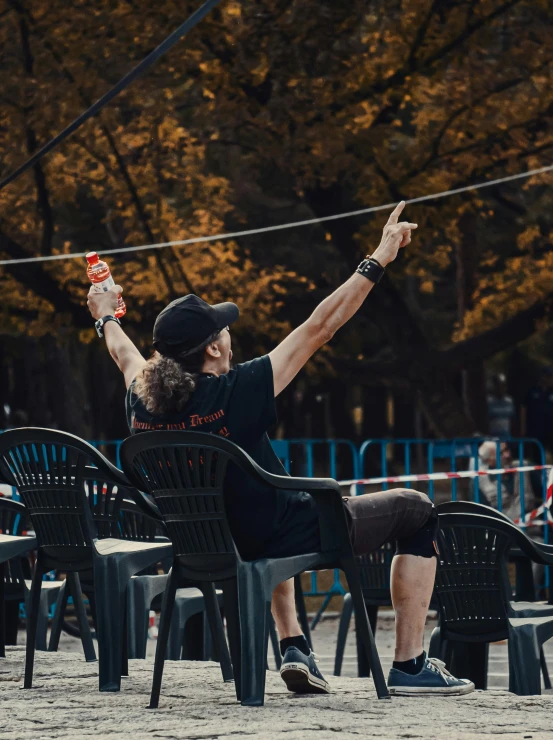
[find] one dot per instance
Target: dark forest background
(272, 111)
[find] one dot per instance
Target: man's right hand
(394, 237)
(105, 303)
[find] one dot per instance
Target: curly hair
(166, 383)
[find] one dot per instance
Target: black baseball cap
(187, 323)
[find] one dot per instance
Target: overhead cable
(280, 227)
(96, 107)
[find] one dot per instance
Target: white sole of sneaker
(426, 691)
(298, 679)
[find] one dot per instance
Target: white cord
(279, 227)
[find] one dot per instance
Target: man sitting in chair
(188, 383)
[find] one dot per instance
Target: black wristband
(371, 269)
(99, 325)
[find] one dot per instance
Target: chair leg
(57, 621)
(274, 643)
(255, 613)
(363, 666)
(125, 654)
(469, 661)
(34, 603)
(524, 661)
(363, 627)
(42, 622)
(544, 670)
(109, 587)
(302, 612)
(74, 586)
(343, 628)
(319, 614)
(217, 629)
(11, 612)
(230, 602)
(167, 605)
(137, 624)
(436, 647)
(209, 648)
(178, 634)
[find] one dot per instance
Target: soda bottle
(100, 276)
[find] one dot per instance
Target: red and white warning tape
(531, 518)
(442, 476)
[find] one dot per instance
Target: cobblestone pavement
(196, 704)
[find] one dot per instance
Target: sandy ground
(195, 703)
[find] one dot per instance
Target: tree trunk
(474, 378)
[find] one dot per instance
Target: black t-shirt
(265, 522)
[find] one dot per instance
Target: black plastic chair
(374, 574)
(52, 471)
(185, 473)
(13, 545)
(475, 604)
(524, 584)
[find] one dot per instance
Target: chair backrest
(374, 574)
(134, 525)
(53, 471)
(185, 473)
(472, 584)
(471, 507)
(104, 499)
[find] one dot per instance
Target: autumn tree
(279, 111)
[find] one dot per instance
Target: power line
(280, 227)
(124, 82)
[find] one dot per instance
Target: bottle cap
(92, 258)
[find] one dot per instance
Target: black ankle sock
(298, 642)
(412, 666)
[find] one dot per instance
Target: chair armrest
(327, 495)
(545, 551)
(119, 478)
(9, 503)
(145, 505)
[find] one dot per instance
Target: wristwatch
(371, 269)
(99, 325)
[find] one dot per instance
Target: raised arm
(294, 351)
(125, 354)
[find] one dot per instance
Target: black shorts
(377, 518)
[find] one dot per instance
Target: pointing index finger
(396, 213)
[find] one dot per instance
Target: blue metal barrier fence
(381, 458)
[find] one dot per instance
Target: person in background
(537, 415)
(510, 485)
(501, 408)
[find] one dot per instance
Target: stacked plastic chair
(474, 597)
(52, 471)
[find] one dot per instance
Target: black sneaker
(300, 673)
